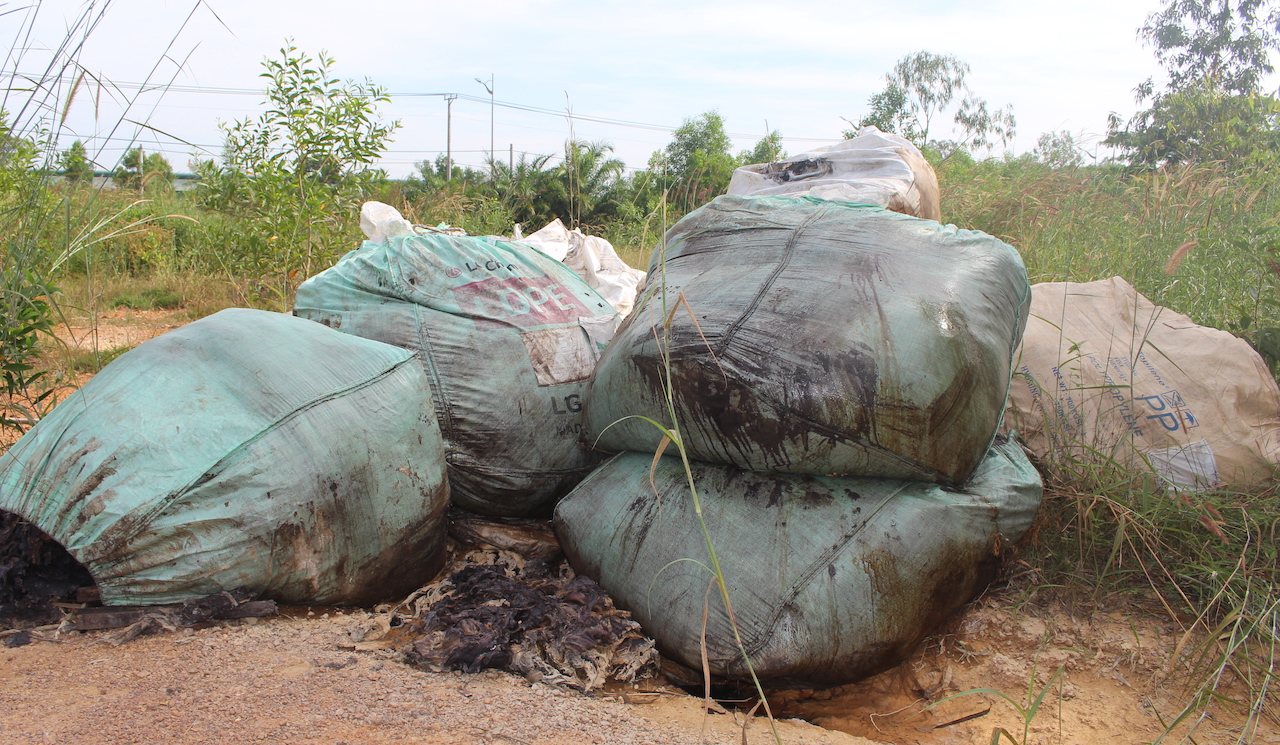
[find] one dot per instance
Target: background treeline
(1184, 206)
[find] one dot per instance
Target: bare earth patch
(1114, 687)
(301, 680)
(295, 680)
(118, 327)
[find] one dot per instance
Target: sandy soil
(1115, 685)
(300, 679)
(118, 327)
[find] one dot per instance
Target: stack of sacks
(838, 377)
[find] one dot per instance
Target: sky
(643, 66)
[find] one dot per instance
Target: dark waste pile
(506, 601)
(558, 629)
(527, 614)
(35, 572)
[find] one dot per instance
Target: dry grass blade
(1171, 266)
(696, 325)
(706, 662)
(657, 456)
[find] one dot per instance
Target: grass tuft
(155, 298)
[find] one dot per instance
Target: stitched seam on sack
(222, 463)
(427, 358)
(514, 471)
(824, 559)
(768, 283)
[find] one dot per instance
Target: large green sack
(830, 339)
(246, 449)
(508, 337)
(831, 579)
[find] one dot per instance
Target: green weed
(1027, 710)
(671, 437)
(156, 298)
(82, 361)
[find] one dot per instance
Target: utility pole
(448, 158)
(489, 89)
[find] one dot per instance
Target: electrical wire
(564, 114)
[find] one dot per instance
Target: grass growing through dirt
(1206, 561)
(1202, 240)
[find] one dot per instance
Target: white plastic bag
(382, 221)
(594, 260)
(873, 168)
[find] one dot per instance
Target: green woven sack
(831, 579)
(246, 449)
(830, 338)
(508, 338)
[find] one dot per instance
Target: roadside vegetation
(1188, 212)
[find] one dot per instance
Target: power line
(463, 96)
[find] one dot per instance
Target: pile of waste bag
(247, 449)
(507, 338)
(835, 373)
(811, 378)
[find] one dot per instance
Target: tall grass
(31, 119)
(1200, 239)
(1197, 238)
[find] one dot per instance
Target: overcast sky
(796, 67)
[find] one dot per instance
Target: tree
(889, 113)
(1216, 53)
(75, 163)
(318, 127)
(585, 182)
(1201, 123)
(523, 188)
(923, 86)
(18, 159)
(1226, 41)
(767, 150)
(930, 82)
(696, 165)
(434, 176)
(137, 171)
(1058, 150)
(299, 171)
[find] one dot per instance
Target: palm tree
(522, 186)
(585, 186)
